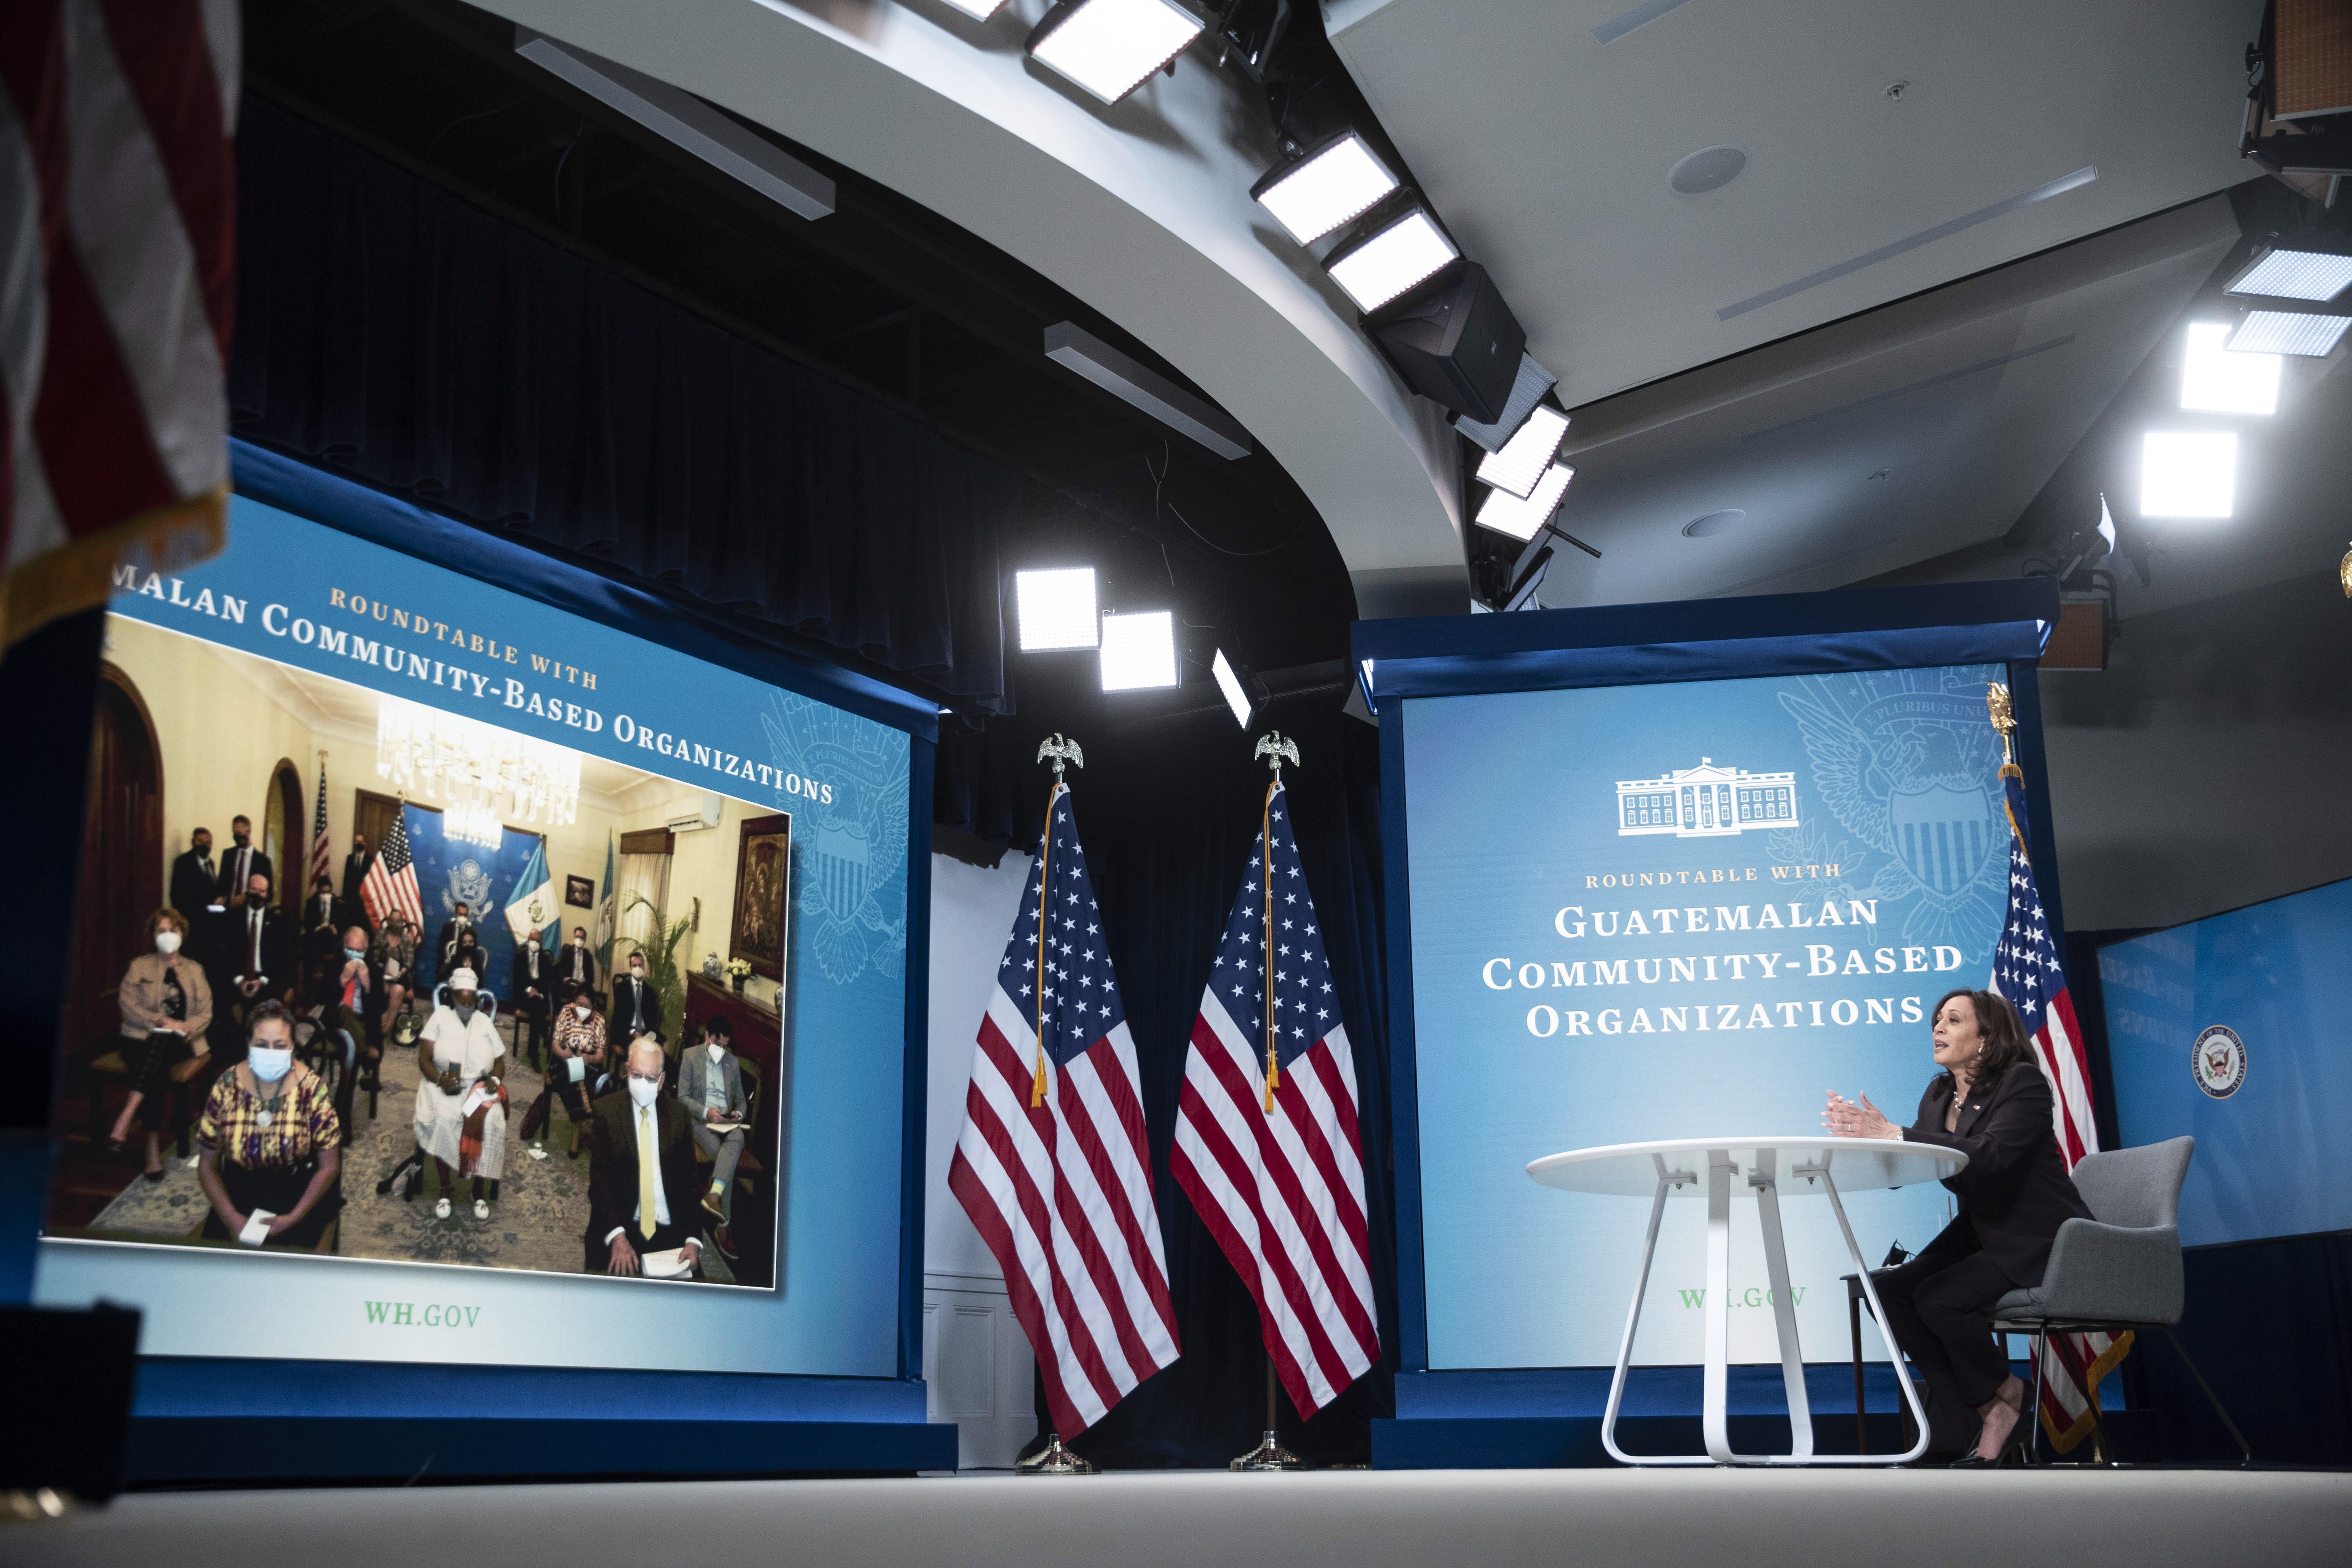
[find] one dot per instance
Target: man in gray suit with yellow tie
(710, 1087)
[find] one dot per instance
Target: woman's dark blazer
(2015, 1193)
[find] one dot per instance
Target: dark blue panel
(1404, 1105)
(166, 1450)
(306, 491)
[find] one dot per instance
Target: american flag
(322, 853)
(390, 885)
(1266, 1144)
(2028, 971)
(1052, 1164)
(117, 285)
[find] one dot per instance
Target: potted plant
(737, 970)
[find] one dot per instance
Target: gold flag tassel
(1265, 876)
(1060, 750)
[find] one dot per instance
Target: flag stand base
(1052, 1459)
(1269, 1455)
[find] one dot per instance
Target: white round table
(1766, 1168)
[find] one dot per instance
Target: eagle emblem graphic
(849, 854)
(1905, 763)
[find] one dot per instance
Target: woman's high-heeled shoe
(2014, 1446)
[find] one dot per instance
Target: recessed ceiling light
(1717, 522)
(2220, 382)
(1525, 455)
(1110, 48)
(1055, 608)
(1523, 519)
(1708, 169)
(1334, 185)
(2188, 473)
(1391, 259)
(1139, 651)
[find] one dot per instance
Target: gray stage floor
(1354, 1520)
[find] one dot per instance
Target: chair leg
(2246, 1455)
(2031, 1452)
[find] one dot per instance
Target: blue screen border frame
(206, 1419)
(1627, 644)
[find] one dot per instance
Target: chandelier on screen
(485, 776)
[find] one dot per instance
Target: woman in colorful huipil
(267, 1141)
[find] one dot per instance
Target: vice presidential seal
(2218, 1061)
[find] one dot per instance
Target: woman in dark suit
(1993, 1104)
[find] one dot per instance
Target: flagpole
(1270, 1457)
(1052, 1459)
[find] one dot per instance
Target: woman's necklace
(269, 1108)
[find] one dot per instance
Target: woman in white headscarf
(461, 1099)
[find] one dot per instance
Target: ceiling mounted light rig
(1521, 518)
(1110, 48)
(1329, 185)
(1388, 257)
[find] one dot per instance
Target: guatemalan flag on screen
(1052, 1164)
(1268, 1150)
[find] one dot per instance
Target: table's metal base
(1714, 1414)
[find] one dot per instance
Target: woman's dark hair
(265, 1012)
(1996, 1022)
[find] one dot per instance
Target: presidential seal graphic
(2218, 1061)
(1905, 762)
(849, 850)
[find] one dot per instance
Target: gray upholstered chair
(2120, 1270)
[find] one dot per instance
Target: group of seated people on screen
(234, 980)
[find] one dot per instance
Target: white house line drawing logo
(1705, 802)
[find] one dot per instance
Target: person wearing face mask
(576, 964)
(355, 865)
(456, 943)
(641, 1172)
(461, 1101)
(636, 1007)
(266, 1143)
(576, 1066)
(395, 950)
(166, 1005)
(261, 953)
(346, 988)
(710, 1087)
(195, 876)
(240, 863)
(534, 978)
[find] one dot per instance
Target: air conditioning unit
(694, 815)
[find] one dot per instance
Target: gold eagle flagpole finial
(2004, 712)
(1277, 749)
(1059, 750)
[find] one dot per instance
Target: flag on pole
(608, 909)
(1266, 1142)
(2028, 970)
(532, 905)
(117, 286)
(390, 885)
(322, 852)
(1051, 1164)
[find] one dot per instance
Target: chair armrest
(2119, 1273)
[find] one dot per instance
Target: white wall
(977, 1365)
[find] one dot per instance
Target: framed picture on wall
(763, 864)
(580, 892)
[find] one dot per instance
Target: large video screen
(447, 967)
(1679, 911)
(2232, 1029)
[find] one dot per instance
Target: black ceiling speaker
(1454, 340)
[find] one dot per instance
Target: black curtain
(389, 330)
(1168, 812)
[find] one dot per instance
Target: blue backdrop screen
(2232, 1029)
(1678, 911)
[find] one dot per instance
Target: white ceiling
(1546, 150)
(1963, 402)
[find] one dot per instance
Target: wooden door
(121, 858)
(285, 839)
(371, 817)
